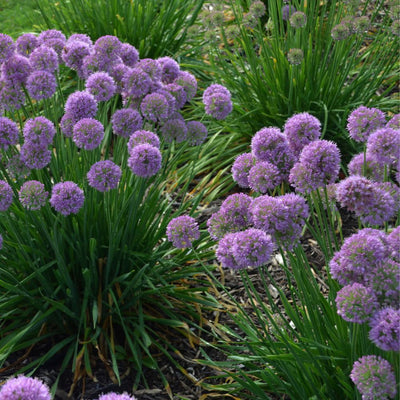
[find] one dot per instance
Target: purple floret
(11, 97)
(154, 107)
(129, 54)
(152, 68)
(145, 160)
(169, 69)
(101, 85)
(24, 388)
(196, 132)
(224, 251)
(6, 195)
(67, 198)
(394, 122)
(384, 145)
(16, 69)
(81, 105)
(385, 329)
(241, 167)
(73, 54)
(178, 92)
(174, 129)
(363, 121)
(9, 133)
(108, 47)
(39, 131)
(7, 47)
(44, 58)
(67, 123)
(368, 166)
(300, 130)
(217, 101)
(188, 82)
(35, 156)
(142, 137)
(88, 133)
(374, 378)
(104, 175)
(182, 231)
(356, 303)
(287, 11)
(126, 121)
(136, 82)
(41, 85)
(116, 396)
(26, 43)
(32, 195)
(264, 176)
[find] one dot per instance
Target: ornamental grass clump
(89, 181)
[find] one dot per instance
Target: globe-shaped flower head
(81, 105)
(182, 231)
(16, 69)
(145, 160)
(363, 121)
(142, 137)
(101, 86)
(7, 47)
(126, 121)
(24, 388)
(44, 58)
(41, 85)
(116, 396)
(241, 168)
(385, 329)
(6, 195)
(32, 195)
(67, 198)
(155, 107)
(217, 101)
(39, 130)
(26, 43)
(8, 132)
(104, 175)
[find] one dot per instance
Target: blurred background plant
(326, 59)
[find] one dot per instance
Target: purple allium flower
(80, 37)
(384, 145)
(136, 82)
(169, 69)
(44, 58)
(6, 195)
(356, 303)
(359, 257)
(385, 281)
(393, 239)
(340, 31)
(26, 43)
(88, 133)
(116, 396)
(264, 176)
(394, 122)
(301, 179)
(39, 130)
(366, 165)
(15, 69)
(295, 56)
(196, 132)
(178, 92)
(24, 388)
(49, 35)
(16, 168)
(181, 231)
(361, 24)
(174, 129)
(7, 47)
(374, 378)
(41, 85)
(81, 105)
(117, 72)
(32, 195)
(287, 11)
(270, 144)
(217, 101)
(73, 54)
(67, 198)
(188, 82)
(154, 107)
(101, 86)
(108, 47)
(11, 97)
(298, 19)
(35, 156)
(129, 54)
(241, 167)
(252, 248)
(126, 121)
(91, 64)
(282, 217)
(224, 251)
(257, 9)
(145, 160)
(363, 121)
(142, 137)
(104, 175)
(9, 133)
(302, 129)
(67, 123)
(385, 329)
(151, 67)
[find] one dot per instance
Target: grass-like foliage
(154, 27)
(327, 65)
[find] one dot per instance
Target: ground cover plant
(325, 58)
(86, 196)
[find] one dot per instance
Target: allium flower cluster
(41, 85)
(217, 101)
(363, 121)
(182, 231)
(155, 107)
(116, 396)
(7, 47)
(145, 160)
(33, 195)
(169, 69)
(264, 176)
(39, 131)
(142, 137)
(9, 133)
(374, 378)
(35, 156)
(287, 11)
(129, 54)
(67, 198)
(340, 32)
(249, 248)
(126, 121)
(241, 168)
(24, 388)
(25, 44)
(104, 175)
(101, 85)
(384, 145)
(298, 19)
(196, 132)
(6, 195)
(188, 82)
(365, 164)
(44, 58)
(81, 105)
(295, 56)
(300, 130)
(16, 70)
(385, 329)
(174, 129)
(88, 133)
(394, 122)
(356, 303)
